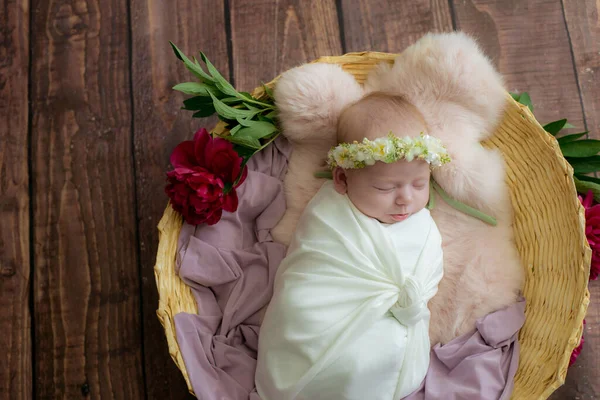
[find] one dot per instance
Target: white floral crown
(388, 149)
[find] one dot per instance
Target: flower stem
(463, 207)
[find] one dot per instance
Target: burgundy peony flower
(592, 232)
(202, 183)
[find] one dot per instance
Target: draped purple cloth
(478, 365)
(230, 268)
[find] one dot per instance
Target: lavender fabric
(478, 365)
(230, 268)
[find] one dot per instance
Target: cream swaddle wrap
(349, 317)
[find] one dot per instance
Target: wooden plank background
(88, 120)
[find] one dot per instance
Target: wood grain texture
(15, 319)
(391, 26)
(583, 378)
(86, 281)
(583, 24)
(269, 37)
(159, 125)
(528, 42)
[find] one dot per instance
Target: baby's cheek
(424, 197)
(381, 202)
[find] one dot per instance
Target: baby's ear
(339, 180)
(310, 99)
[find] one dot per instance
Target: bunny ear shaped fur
(310, 99)
(446, 71)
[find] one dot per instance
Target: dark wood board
(86, 292)
(159, 125)
(15, 267)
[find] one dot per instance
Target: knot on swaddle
(411, 306)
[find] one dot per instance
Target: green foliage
(251, 122)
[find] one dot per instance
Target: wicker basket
(549, 232)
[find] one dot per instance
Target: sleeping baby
(349, 316)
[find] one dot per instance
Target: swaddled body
(349, 317)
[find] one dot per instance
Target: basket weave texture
(549, 229)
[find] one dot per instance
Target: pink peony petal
(214, 217)
(201, 140)
(216, 145)
(589, 199)
(230, 203)
(183, 155)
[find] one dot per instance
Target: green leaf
(230, 100)
(581, 148)
(256, 129)
(252, 108)
(225, 87)
(234, 130)
(584, 186)
(255, 132)
(194, 67)
(204, 112)
(244, 152)
(515, 96)
(585, 165)
(220, 82)
(203, 105)
(197, 103)
(245, 141)
(587, 178)
(265, 119)
(554, 127)
(195, 88)
(228, 112)
(525, 100)
(272, 114)
(243, 122)
(570, 138)
(228, 122)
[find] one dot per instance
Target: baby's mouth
(399, 217)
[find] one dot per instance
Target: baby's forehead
(379, 129)
(398, 171)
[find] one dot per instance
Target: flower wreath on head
(388, 149)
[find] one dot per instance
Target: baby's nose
(403, 196)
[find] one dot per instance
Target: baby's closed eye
(385, 188)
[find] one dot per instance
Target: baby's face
(389, 193)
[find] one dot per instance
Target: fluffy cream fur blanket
(462, 98)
